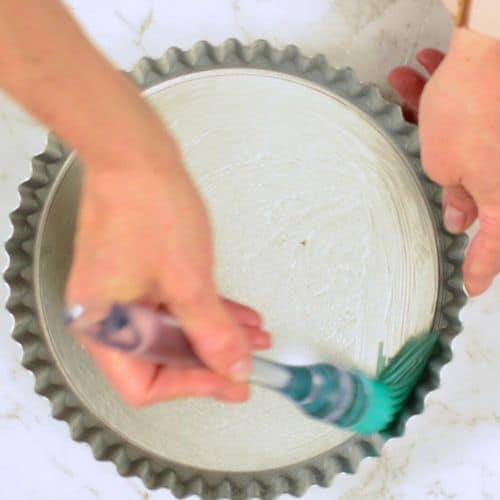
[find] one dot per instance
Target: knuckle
(196, 294)
(458, 193)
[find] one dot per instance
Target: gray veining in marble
(452, 451)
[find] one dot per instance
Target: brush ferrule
(345, 397)
(269, 374)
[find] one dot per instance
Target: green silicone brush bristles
(346, 398)
(388, 393)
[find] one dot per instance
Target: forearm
(50, 68)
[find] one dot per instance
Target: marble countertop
(452, 451)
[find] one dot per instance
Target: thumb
(217, 338)
(483, 257)
(459, 209)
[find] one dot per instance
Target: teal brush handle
(323, 391)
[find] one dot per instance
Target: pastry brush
(346, 398)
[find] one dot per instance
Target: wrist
(478, 16)
(116, 126)
(142, 144)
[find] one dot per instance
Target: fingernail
(240, 371)
(454, 219)
(262, 342)
(474, 288)
(233, 394)
(477, 280)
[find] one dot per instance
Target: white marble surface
(452, 451)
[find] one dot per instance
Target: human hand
(143, 235)
(459, 114)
